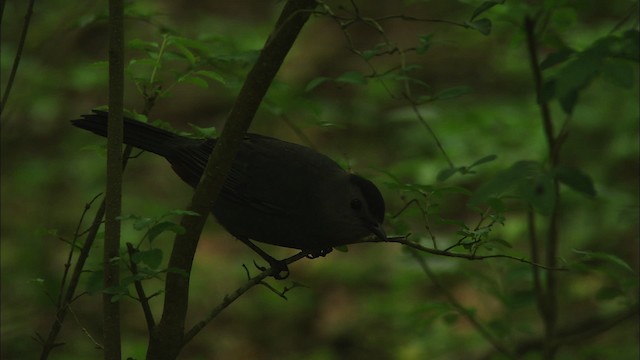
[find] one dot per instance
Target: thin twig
(417, 19)
(76, 235)
(414, 106)
(357, 18)
(230, 298)
(535, 257)
(142, 297)
(404, 241)
(85, 331)
(425, 218)
(16, 60)
(631, 11)
(483, 217)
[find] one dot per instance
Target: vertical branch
(552, 277)
(535, 258)
(167, 339)
(549, 306)
(532, 48)
(113, 198)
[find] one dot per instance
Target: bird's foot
(319, 253)
(279, 268)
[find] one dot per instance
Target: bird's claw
(319, 253)
(279, 268)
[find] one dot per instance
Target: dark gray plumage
(277, 192)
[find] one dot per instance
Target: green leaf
(118, 292)
(576, 180)
(141, 62)
(630, 45)
(482, 25)
(504, 180)
(452, 92)
(446, 173)
(142, 45)
(610, 258)
(189, 43)
(548, 91)
(425, 43)
(557, 57)
(142, 223)
(484, 7)
(539, 191)
(608, 293)
(576, 74)
(163, 226)
(329, 124)
(128, 280)
(499, 242)
(569, 101)
(563, 18)
(194, 80)
(200, 132)
(211, 75)
(484, 160)
(186, 53)
(182, 212)
(100, 64)
(619, 73)
(458, 223)
(448, 190)
(315, 82)
(450, 318)
(152, 257)
(352, 77)
(496, 204)
(369, 54)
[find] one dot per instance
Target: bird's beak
(378, 231)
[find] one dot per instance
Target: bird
(276, 192)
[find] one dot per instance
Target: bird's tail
(136, 133)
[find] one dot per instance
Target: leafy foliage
(611, 57)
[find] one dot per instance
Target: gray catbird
(277, 192)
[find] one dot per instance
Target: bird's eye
(356, 204)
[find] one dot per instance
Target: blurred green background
(374, 301)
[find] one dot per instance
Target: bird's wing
(254, 179)
(257, 178)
